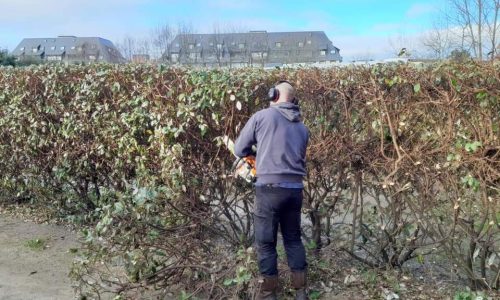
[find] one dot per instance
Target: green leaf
(416, 88)
(229, 281)
(420, 259)
(118, 208)
(314, 295)
(472, 147)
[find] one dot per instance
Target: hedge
(403, 163)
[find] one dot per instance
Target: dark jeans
(278, 206)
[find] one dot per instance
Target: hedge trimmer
(242, 167)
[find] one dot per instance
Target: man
(281, 141)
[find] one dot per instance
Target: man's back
(281, 140)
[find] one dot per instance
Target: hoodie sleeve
(244, 143)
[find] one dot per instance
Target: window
(80, 49)
(322, 52)
(93, 46)
(198, 45)
(193, 55)
(278, 44)
(256, 55)
(62, 48)
(301, 44)
(35, 49)
(177, 45)
(191, 46)
(241, 45)
(333, 51)
(233, 43)
(309, 42)
(73, 48)
(211, 44)
(175, 57)
(219, 46)
(54, 58)
(92, 57)
(53, 48)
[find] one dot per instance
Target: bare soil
(35, 272)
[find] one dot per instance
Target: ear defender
(274, 93)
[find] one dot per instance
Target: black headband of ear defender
(274, 93)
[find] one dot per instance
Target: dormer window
(53, 48)
(191, 46)
(241, 45)
(309, 42)
(198, 45)
(278, 44)
(301, 44)
(322, 52)
(219, 46)
(22, 49)
(62, 48)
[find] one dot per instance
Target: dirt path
(35, 260)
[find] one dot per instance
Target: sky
(360, 28)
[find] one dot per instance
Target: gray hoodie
(281, 139)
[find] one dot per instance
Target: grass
(37, 244)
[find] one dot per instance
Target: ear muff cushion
(273, 94)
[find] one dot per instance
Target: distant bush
(6, 59)
(460, 55)
(410, 156)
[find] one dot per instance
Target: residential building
(254, 48)
(68, 49)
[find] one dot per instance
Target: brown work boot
(268, 287)
(299, 283)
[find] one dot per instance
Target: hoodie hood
(289, 110)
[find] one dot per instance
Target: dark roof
(307, 41)
(69, 45)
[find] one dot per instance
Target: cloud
(419, 9)
(386, 27)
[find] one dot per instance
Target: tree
(459, 55)
(6, 59)
(438, 41)
(162, 37)
(478, 20)
(184, 32)
(217, 44)
(401, 45)
(128, 47)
